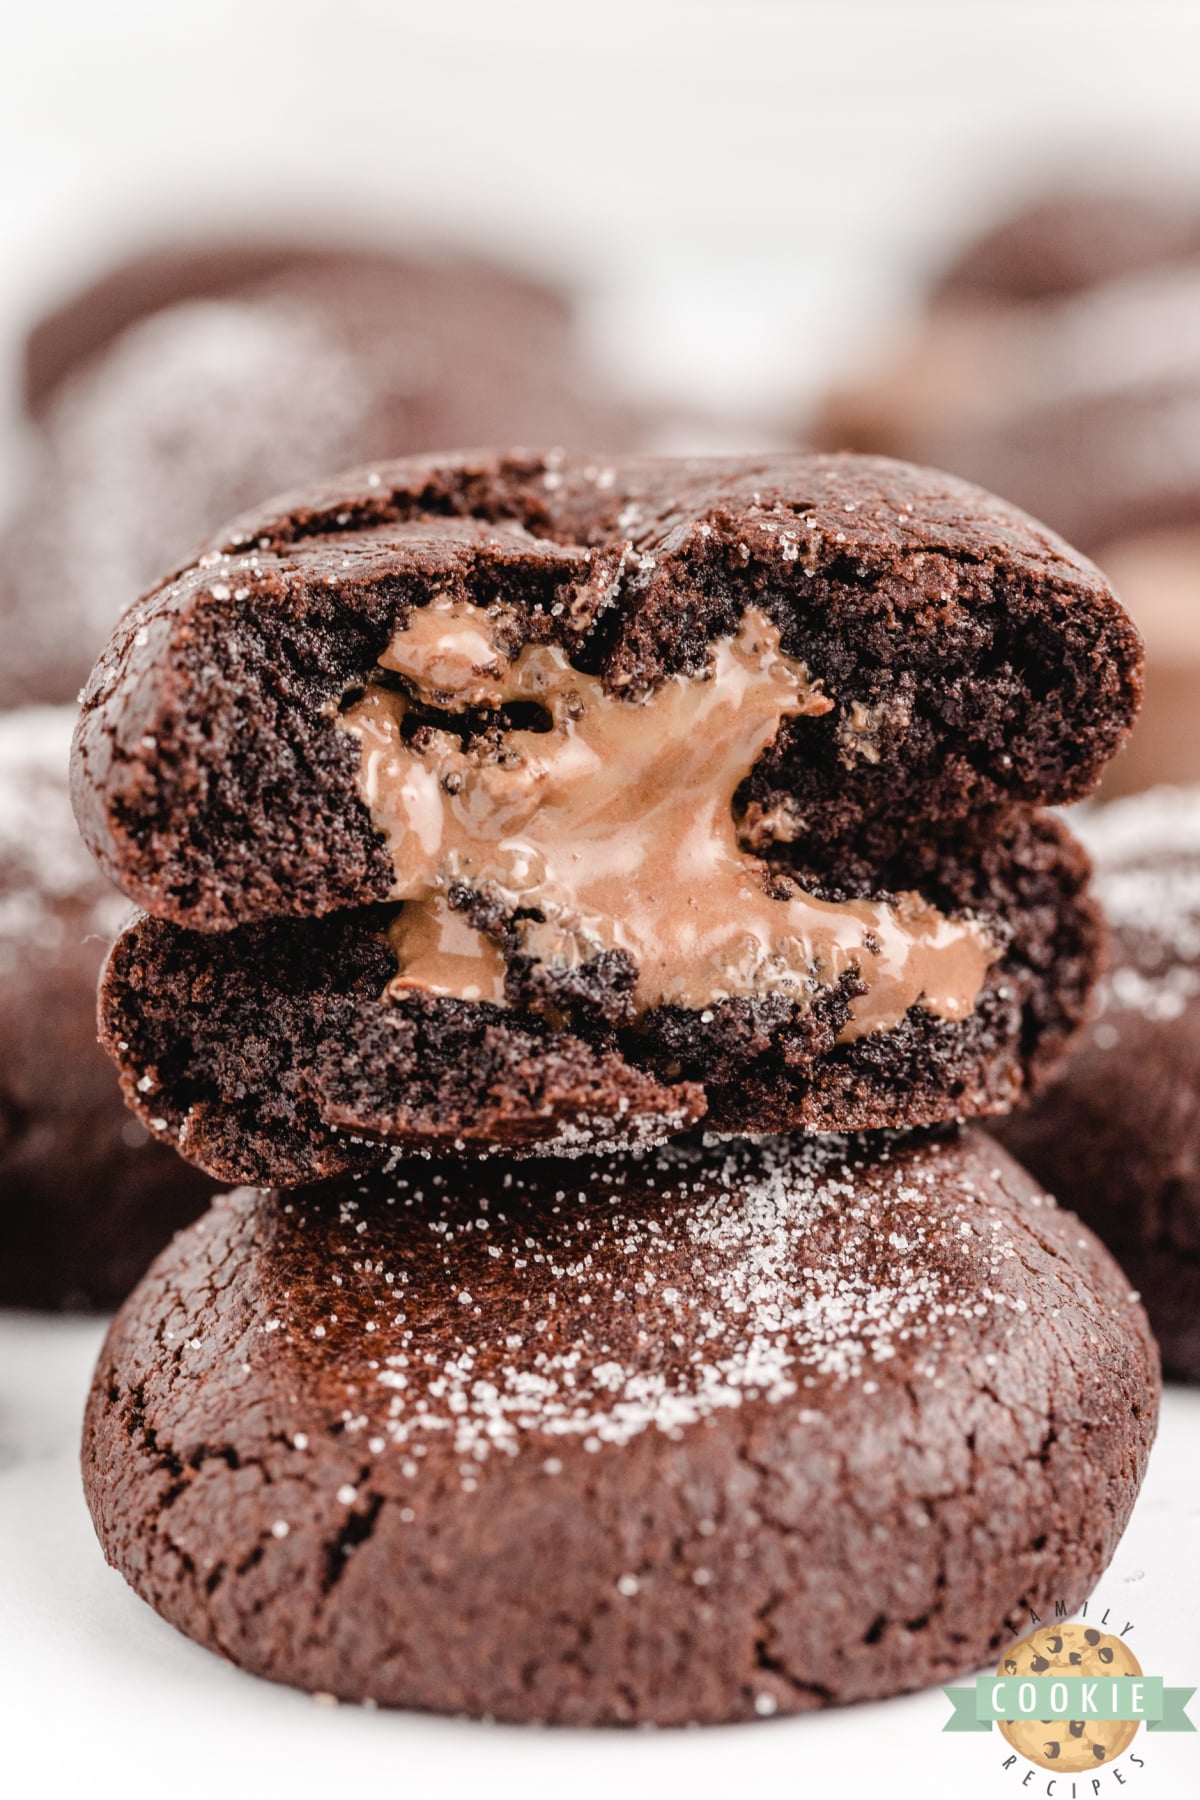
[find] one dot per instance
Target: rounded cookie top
(1083, 407)
(86, 322)
(511, 1439)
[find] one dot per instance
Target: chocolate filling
(612, 829)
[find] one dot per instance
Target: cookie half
(288, 1051)
(712, 1433)
(1117, 1134)
(862, 650)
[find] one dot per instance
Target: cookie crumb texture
(1117, 1134)
(87, 1198)
(715, 1432)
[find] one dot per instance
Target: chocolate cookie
(87, 322)
(911, 650)
(703, 1435)
(706, 789)
(1118, 1134)
(1092, 416)
(86, 1198)
(191, 384)
(1108, 448)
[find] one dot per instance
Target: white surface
(98, 1697)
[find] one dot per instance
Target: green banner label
(1009, 1698)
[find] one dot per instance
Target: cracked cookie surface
(968, 657)
(728, 1429)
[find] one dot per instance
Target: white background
(740, 189)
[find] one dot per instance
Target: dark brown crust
(266, 1054)
(853, 1539)
(212, 786)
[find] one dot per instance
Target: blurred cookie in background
(1086, 411)
(87, 1198)
(1066, 240)
(189, 384)
(1061, 373)
(1058, 363)
(1117, 1136)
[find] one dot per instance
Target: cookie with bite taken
(516, 800)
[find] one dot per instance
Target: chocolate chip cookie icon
(1070, 1745)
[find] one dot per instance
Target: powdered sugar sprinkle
(764, 1271)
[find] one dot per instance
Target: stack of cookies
(586, 899)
